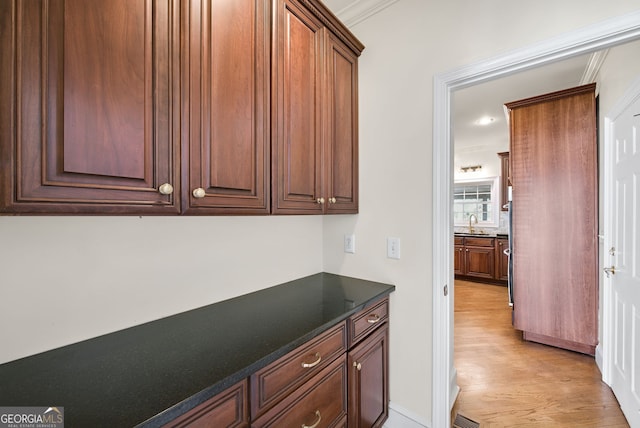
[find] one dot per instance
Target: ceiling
(488, 99)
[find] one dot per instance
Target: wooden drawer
(227, 409)
(458, 240)
(365, 321)
(479, 242)
(282, 377)
(321, 401)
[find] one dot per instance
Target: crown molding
(359, 10)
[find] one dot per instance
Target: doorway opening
(590, 39)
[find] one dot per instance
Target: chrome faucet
(470, 226)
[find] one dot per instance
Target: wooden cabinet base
(559, 343)
(227, 409)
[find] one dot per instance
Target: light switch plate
(393, 248)
(350, 243)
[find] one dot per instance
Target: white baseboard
(400, 417)
(454, 389)
(599, 356)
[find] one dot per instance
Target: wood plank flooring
(507, 382)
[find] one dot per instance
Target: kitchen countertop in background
(152, 373)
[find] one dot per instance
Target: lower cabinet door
(320, 402)
(369, 380)
(227, 409)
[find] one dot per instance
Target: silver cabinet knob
(320, 200)
(199, 193)
(166, 189)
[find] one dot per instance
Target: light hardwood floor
(507, 382)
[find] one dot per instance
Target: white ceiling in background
(487, 99)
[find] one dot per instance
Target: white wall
(65, 279)
(406, 44)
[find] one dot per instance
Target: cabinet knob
(357, 365)
(316, 422)
(166, 189)
(199, 193)
(318, 358)
(320, 201)
(373, 318)
(332, 200)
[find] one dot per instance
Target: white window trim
(495, 209)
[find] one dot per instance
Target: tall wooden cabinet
(553, 160)
(177, 107)
(315, 137)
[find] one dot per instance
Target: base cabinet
(338, 379)
(368, 381)
(502, 259)
(320, 402)
(227, 409)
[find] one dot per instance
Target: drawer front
(282, 377)
(365, 321)
(321, 402)
(479, 242)
(227, 409)
(458, 240)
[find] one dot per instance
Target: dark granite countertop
(482, 235)
(148, 374)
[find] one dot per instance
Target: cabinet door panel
(297, 131)
(228, 132)
(341, 100)
(368, 381)
(480, 262)
(458, 260)
(502, 260)
(92, 102)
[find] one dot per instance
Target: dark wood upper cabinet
(87, 107)
(341, 142)
(177, 107)
(315, 135)
(226, 132)
(297, 131)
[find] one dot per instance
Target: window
(479, 197)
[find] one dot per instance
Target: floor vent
(463, 422)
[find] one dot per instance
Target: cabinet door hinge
(446, 290)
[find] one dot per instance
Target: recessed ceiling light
(484, 121)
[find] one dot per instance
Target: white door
(622, 255)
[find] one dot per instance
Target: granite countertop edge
(149, 374)
(195, 400)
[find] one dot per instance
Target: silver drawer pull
(373, 318)
(316, 423)
(313, 364)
